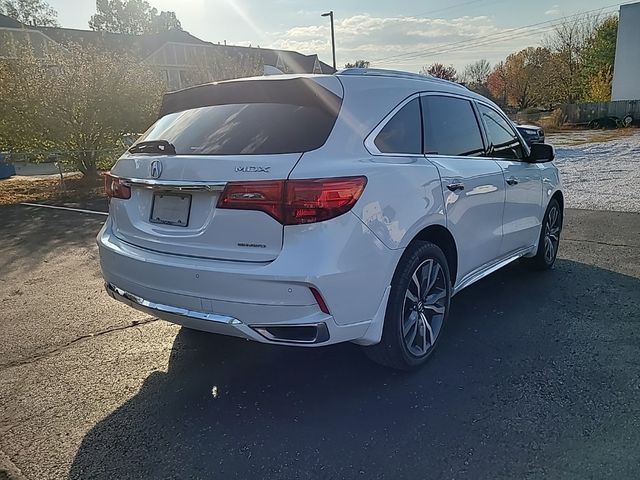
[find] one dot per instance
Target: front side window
(502, 139)
(450, 127)
(403, 133)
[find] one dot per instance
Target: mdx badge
(253, 169)
(156, 169)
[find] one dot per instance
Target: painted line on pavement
(79, 210)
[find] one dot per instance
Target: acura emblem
(156, 169)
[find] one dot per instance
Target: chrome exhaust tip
(307, 334)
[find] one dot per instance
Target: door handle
(512, 181)
(455, 186)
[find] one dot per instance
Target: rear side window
(450, 127)
(503, 140)
(403, 133)
(244, 129)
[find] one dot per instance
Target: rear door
(473, 186)
(522, 211)
(241, 131)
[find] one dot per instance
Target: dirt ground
(48, 189)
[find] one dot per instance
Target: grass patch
(36, 190)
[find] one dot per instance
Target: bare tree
(567, 43)
(476, 73)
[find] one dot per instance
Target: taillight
(114, 188)
(309, 201)
(263, 196)
(294, 202)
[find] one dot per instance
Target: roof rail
(381, 72)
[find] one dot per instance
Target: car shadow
(28, 234)
(524, 375)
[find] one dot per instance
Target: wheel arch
(442, 237)
(559, 197)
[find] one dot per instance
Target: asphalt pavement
(537, 376)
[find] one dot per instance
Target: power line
(511, 37)
(437, 10)
(450, 7)
(505, 35)
(529, 33)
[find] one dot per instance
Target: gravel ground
(599, 175)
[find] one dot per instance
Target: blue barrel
(6, 169)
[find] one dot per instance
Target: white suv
(316, 209)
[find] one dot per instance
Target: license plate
(170, 209)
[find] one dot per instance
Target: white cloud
(554, 10)
(376, 38)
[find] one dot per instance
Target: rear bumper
(262, 301)
(221, 324)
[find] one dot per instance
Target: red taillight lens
(263, 196)
(319, 300)
(294, 202)
(114, 188)
(310, 201)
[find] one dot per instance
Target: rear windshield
(245, 129)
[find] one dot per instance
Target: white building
(626, 72)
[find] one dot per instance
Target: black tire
(551, 227)
(429, 314)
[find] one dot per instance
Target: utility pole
(333, 37)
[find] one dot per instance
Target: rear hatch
(206, 137)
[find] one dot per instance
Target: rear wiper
(154, 146)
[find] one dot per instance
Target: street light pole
(333, 37)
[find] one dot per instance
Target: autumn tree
(30, 12)
(78, 101)
(357, 64)
(598, 59)
(497, 84)
(567, 43)
(131, 17)
(522, 80)
(439, 70)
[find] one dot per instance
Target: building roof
(8, 22)
(295, 62)
(143, 45)
(146, 44)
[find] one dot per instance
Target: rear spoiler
(293, 91)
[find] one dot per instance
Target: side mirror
(541, 153)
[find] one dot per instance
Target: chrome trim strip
(179, 185)
(138, 302)
(479, 275)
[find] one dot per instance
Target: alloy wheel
(551, 234)
(424, 307)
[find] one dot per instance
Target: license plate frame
(172, 212)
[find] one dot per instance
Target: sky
(399, 34)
